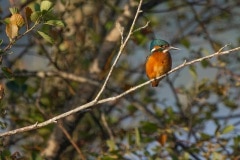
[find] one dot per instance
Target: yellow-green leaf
(193, 72)
(137, 137)
(45, 36)
(185, 42)
(13, 10)
(227, 129)
(111, 145)
(55, 23)
(35, 16)
(46, 5)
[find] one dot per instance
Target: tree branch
(120, 51)
(94, 103)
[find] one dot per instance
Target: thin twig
(71, 141)
(62, 74)
(105, 124)
(19, 37)
(138, 29)
(94, 103)
(119, 52)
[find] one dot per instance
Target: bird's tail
(155, 83)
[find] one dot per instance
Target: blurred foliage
(193, 114)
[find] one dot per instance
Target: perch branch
(94, 103)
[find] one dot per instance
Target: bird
(159, 62)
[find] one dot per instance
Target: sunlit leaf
(137, 137)
(46, 5)
(228, 129)
(186, 155)
(35, 16)
(17, 19)
(193, 72)
(11, 31)
(217, 155)
(55, 23)
(111, 145)
(45, 37)
(13, 10)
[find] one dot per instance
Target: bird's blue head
(160, 45)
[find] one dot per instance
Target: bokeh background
(193, 113)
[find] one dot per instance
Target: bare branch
(62, 74)
(119, 52)
(140, 28)
(105, 124)
(94, 103)
(72, 142)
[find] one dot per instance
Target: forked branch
(94, 103)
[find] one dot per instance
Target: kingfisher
(159, 62)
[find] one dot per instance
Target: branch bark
(93, 103)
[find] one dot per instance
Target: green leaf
(5, 154)
(111, 145)
(3, 125)
(55, 23)
(230, 104)
(131, 109)
(205, 63)
(137, 137)
(13, 10)
(35, 16)
(14, 86)
(228, 129)
(46, 37)
(36, 156)
(149, 127)
(193, 72)
(217, 155)
(236, 141)
(46, 5)
(1, 41)
(185, 42)
(37, 7)
(205, 136)
(7, 72)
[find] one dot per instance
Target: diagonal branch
(94, 103)
(120, 51)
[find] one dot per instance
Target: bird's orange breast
(157, 64)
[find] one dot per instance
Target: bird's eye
(163, 46)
